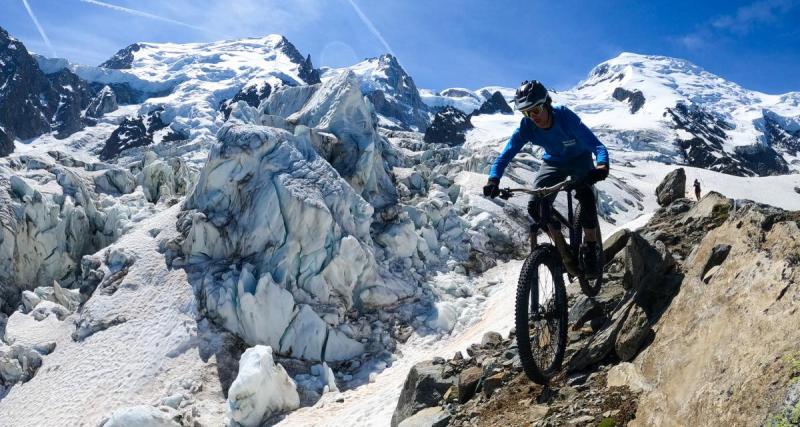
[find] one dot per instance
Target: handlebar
(507, 193)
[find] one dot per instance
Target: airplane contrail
(39, 27)
(371, 27)
(143, 14)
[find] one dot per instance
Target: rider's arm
(587, 137)
(515, 144)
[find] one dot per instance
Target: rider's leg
(590, 250)
(539, 209)
(588, 213)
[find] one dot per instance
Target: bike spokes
(544, 320)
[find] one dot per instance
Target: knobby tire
(543, 255)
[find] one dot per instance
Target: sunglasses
(533, 111)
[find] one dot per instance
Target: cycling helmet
(529, 94)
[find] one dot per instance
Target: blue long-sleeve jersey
(565, 141)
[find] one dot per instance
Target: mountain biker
(568, 145)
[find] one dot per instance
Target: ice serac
(267, 198)
(50, 217)
(338, 107)
(261, 389)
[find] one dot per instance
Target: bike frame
(568, 222)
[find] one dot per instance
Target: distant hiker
(568, 148)
(697, 189)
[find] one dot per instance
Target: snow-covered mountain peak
(391, 90)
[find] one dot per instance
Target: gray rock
(491, 338)
(649, 289)
(468, 383)
(645, 264)
(634, 332)
(428, 417)
(615, 243)
(672, 187)
(424, 388)
(18, 364)
(718, 255)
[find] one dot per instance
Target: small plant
(607, 422)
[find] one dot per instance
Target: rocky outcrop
(725, 350)
(493, 105)
(781, 133)
(33, 103)
(306, 71)
(123, 59)
(6, 144)
(133, 132)
(635, 98)
(672, 187)
(104, 102)
(762, 159)
(704, 145)
(252, 94)
(449, 127)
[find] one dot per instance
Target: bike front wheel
(541, 314)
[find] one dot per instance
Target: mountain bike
(541, 301)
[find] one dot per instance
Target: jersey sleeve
(517, 141)
(587, 137)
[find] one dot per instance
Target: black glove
(492, 188)
(596, 175)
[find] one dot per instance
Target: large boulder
(672, 187)
(449, 127)
(649, 282)
(425, 387)
(261, 388)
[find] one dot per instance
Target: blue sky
(444, 43)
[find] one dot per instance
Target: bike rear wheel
(541, 314)
(589, 287)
